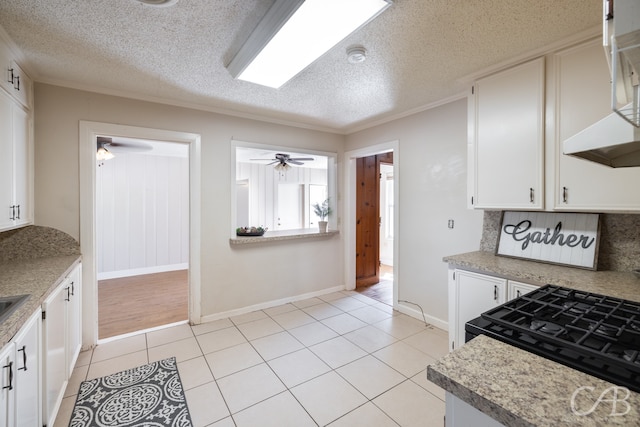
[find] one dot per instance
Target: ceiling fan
(283, 161)
(121, 146)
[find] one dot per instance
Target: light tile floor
(341, 359)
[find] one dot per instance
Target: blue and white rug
(149, 395)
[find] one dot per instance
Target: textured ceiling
(418, 52)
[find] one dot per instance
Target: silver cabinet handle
(564, 194)
(531, 194)
(495, 292)
(16, 83)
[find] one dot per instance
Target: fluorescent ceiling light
(294, 33)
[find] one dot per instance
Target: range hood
(615, 140)
(612, 141)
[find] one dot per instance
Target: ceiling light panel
(293, 34)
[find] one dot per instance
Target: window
(273, 189)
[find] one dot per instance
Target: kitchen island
(518, 388)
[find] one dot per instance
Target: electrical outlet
(450, 224)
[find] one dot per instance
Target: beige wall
(232, 278)
(432, 179)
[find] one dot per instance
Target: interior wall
(142, 210)
(432, 190)
(232, 277)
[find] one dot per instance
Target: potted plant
(322, 210)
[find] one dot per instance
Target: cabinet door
(476, 293)
(509, 138)
(582, 97)
(517, 289)
(6, 161)
(21, 139)
(54, 350)
(28, 371)
(74, 321)
(7, 385)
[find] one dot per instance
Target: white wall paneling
(142, 206)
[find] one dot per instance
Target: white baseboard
(140, 271)
(269, 304)
(416, 313)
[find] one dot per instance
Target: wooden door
(368, 218)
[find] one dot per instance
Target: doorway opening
(374, 226)
(385, 223)
(142, 235)
(88, 139)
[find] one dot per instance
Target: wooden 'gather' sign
(558, 238)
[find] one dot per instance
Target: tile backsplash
(619, 239)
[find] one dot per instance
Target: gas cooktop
(593, 333)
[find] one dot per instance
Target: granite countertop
(33, 261)
(518, 388)
(618, 284)
(34, 277)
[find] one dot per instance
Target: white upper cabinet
(506, 113)
(16, 144)
(579, 97)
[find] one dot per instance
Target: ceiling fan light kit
(295, 33)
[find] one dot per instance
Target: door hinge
(472, 89)
(471, 199)
(454, 275)
(44, 315)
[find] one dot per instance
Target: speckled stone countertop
(278, 236)
(33, 261)
(619, 284)
(518, 388)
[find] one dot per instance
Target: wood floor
(383, 290)
(135, 303)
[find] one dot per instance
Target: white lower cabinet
(20, 379)
(517, 289)
(471, 294)
(461, 414)
(61, 341)
(29, 372)
(7, 392)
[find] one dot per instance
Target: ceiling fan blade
(303, 159)
(294, 162)
(128, 147)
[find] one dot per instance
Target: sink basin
(9, 304)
